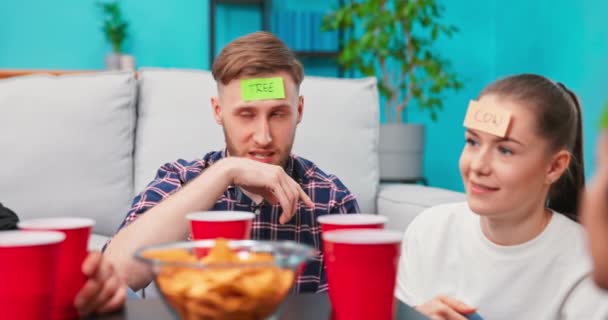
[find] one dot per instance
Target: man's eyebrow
(281, 106)
(243, 108)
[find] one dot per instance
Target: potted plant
(115, 30)
(393, 40)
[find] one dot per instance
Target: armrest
(97, 241)
(401, 203)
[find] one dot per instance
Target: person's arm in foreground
(594, 212)
(104, 291)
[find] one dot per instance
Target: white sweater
(445, 252)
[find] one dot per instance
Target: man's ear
(300, 108)
(559, 164)
(217, 110)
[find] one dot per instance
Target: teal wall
(566, 40)
(66, 34)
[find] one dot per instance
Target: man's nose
(262, 136)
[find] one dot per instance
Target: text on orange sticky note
(487, 118)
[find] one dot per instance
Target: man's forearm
(166, 222)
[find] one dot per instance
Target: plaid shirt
(326, 191)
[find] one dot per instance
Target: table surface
(296, 307)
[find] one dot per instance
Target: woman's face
(502, 175)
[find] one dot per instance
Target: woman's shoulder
(434, 231)
(566, 223)
(569, 232)
(449, 215)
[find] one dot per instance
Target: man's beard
(283, 156)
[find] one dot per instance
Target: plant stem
(389, 102)
(409, 54)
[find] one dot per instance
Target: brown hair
(558, 114)
(256, 54)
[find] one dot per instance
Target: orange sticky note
(487, 118)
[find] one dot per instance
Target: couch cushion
(401, 203)
(339, 132)
(175, 120)
(67, 144)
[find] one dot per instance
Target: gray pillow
(67, 145)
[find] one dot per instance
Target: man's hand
(104, 291)
(445, 308)
(271, 182)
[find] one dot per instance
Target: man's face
(261, 130)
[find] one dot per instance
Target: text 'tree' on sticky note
(487, 118)
(262, 89)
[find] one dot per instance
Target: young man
(259, 107)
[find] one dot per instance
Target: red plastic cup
(233, 225)
(348, 221)
(70, 278)
(361, 272)
(351, 221)
(27, 273)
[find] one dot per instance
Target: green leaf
(434, 32)
(604, 119)
(434, 116)
(384, 91)
(329, 23)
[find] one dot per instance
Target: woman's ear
(559, 164)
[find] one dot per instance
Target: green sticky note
(262, 89)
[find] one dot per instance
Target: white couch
(85, 144)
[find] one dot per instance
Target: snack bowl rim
(259, 246)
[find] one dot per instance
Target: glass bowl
(219, 279)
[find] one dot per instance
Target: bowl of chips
(221, 279)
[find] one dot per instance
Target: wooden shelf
(240, 1)
(265, 8)
(265, 19)
(9, 73)
(317, 54)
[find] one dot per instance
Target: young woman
(514, 249)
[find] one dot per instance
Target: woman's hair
(558, 115)
(255, 54)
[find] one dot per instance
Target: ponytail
(565, 194)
